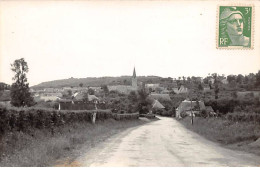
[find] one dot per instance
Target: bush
(126, 116)
(14, 119)
(204, 113)
(243, 117)
(166, 113)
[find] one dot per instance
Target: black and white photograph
(121, 83)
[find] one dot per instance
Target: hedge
(126, 116)
(243, 117)
(23, 119)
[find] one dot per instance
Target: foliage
(164, 112)
(132, 96)
(14, 119)
(105, 89)
(222, 130)
(222, 106)
(229, 105)
(4, 86)
(85, 97)
(5, 95)
(42, 147)
(257, 83)
(144, 102)
(126, 116)
(20, 95)
(91, 91)
(243, 117)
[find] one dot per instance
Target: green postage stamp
(235, 27)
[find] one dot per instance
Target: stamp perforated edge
(252, 28)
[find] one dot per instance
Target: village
(170, 97)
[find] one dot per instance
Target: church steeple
(134, 79)
(134, 74)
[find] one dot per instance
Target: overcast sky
(63, 39)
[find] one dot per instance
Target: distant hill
(98, 81)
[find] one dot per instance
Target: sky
(63, 39)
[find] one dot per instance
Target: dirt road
(162, 143)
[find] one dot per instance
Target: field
(41, 148)
(232, 134)
(39, 137)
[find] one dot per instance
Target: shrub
(243, 117)
(126, 116)
(13, 119)
(204, 113)
(166, 113)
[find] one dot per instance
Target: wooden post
(94, 114)
(191, 112)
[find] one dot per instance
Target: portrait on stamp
(235, 26)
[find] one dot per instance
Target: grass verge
(43, 148)
(235, 135)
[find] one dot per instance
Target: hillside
(98, 81)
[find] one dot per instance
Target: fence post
(94, 117)
(95, 113)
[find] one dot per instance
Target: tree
(144, 103)
(2, 86)
(20, 95)
(216, 90)
(216, 87)
(91, 91)
(230, 78)
(239, 78)
(200, 87)
(69, 92)
(80, 84)
(105, 89)
(132, 96)
(85, 97)
(142, 95)
(257, 83)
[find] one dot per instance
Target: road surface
(162, 143)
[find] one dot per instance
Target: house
(206, 88)
(80, 96)
(212, 80)
(157, 105)
(126, 89)
(158, 96)
(52, 94)
(51, 90)
(121, 88)
(49, 98)
(198, 79)
(224, 81)
(93, 98)
(152, 86)
(180, 90)
(66, 88)
(186, 106)
(165, 91)
(96, 89)
(31, 90)
(174, 84)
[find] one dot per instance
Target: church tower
(134, 79)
